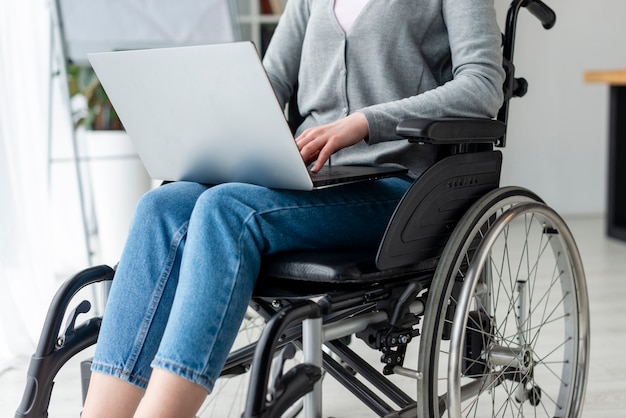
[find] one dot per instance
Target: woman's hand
(323, 141)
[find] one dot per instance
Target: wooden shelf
(615, 77)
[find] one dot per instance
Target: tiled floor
(605, 265)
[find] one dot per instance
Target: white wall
(557, 143)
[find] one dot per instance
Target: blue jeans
(191, 261)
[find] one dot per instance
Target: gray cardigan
(401, 59)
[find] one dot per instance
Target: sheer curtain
(26, 276)
(41, 232)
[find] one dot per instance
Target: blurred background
(69, 177)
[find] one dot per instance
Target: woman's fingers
(319, 143)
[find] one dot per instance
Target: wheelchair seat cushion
(353, 266)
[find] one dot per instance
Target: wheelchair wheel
(506, 324)
(228, 398)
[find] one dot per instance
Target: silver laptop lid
(203, 113)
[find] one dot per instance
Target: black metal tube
(541, 11)
(270, 338)
(50, 356)
(372, 375)
(356, 387)
(62, 298)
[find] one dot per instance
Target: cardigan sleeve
(282, 58)
(477, 73)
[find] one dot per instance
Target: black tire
(478, 385)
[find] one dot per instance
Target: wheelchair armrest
(449, 131)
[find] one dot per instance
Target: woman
(193, 251)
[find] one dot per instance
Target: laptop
(208, 114)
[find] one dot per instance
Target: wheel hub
(519, 358)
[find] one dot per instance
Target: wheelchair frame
(428, 279)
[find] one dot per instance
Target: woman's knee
(227, 198)
(168, 198)
(228, 208)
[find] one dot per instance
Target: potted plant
(113, 174)
(91, 107)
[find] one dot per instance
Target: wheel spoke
(521, 308)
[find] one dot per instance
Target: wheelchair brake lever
(286, 388)
(70, 326)
(296, 383)
(287, 353)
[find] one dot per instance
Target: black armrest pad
(451, 130)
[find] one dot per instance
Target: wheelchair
(481, 286)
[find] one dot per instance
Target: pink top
(347, 11)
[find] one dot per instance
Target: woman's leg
(140, 300)
(170, 396)
(231, 227)
(109, 396)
